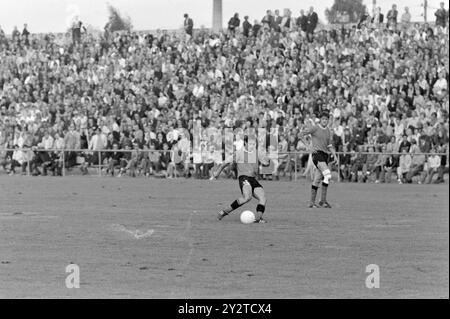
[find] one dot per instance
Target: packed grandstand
(128, 101)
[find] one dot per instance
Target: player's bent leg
(246, 197)
(260, 195)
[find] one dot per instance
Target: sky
(56, 15)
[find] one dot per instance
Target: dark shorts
(247, 180)
(319, 156)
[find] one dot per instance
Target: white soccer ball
(247, 217)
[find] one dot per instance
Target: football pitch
(150, 238)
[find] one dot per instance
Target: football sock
(234, 205)
(324, 192)
(260, 211)
(313, 193)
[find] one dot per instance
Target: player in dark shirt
(247, 162)
(322, 145)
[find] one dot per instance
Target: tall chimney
(217, 15)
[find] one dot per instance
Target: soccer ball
(247, 217)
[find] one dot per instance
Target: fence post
(100, 163)
(295, 168)
(63, 163)
(28, 164)
(339, 166)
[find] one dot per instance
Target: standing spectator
(268, 20)
(345, 163)
(76, 30)
(389, 166)
(277, 21)
(417, 163)
(302, 21)
(443, 168)
(287, 22)
(392, 17)
(154, 158)
(234, 23)
(71, 142)
(165, 158)
(246, 27)
(113, 158)
(188, 24)
(378, 17)
(441, 16)
(406, 18)
(26, 34)
(358, 161)
(372, 164)
(364, 20)
(256, 28)
(403, 166)
(433, 163)
(15, 34)
(97, 143)
(379, 165)
(313, 19)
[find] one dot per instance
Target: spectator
(256, 27)
(155, 160)
(392, 17)
(166, 158)
(302, 22)
(417, 164)
(364, 20)
(246, 27)
(113, 158)
(188, 24)
(97, 143)
(287, 22)
(389, 166)
(72, 142)
(405, 144)
(444, 167)
(312, 21)
(379, 165)
(405, 18)
(441, 16)
(432, 167)
(26, 35)
(372, 164)
(15, 34)
(345, 163)
(77, 29)
(268, 20)
(404, 166)
(378, 18)
(359, 167)
(234, 23)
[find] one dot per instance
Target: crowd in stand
(385, 84)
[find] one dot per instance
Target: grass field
(46, 223)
